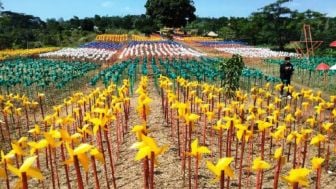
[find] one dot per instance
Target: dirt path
(168, 172)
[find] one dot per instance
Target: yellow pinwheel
(317, 162)
(67, 138)
(17, 149)
(146, 147)
(66, 121)
(316, 165)
(143, 108)
(327, 126)
(139, 130)
(85, 130)
(298, 113)
(279, 133)
(191, 118)
(259, 164)
(5, 160)
(278, 153)
(220, 126)
(181, 109)
(79, 156)
(26, 171)
(289, 118)
(98, 123)
(317, 139)
(36, 130)
(97, 154)
(79, 152)
(305, 105)
(52, 138)
(197, 151)
(223, 165)
(295, 136)
(148, 152)
(7, 157)
(41, 144)
(262, 125)
(210, 115)
(40, 95)
(243, 130)
(311, 121)
(298, 177)
(280, 160)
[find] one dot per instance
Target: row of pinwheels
(16, 112)
(206, 69)
(103, 45)
(11, 53)
(82, 54)
(203, 69)
(176, 67)
(40, 72)
(157, 49)
(225, 43)
(197, 39)
(146, 39)
(118, 38)
(86, 128)
(255, 52)
(113, 73)
(255, 132)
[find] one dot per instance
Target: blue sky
(205, 8)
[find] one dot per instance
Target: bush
(231, 70)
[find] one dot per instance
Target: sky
(66, 9)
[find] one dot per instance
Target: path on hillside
(168, 172)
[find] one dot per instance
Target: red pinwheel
(322, 67)
(333, 44)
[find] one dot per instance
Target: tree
(276, 17)
(227, 33)
(87, 25)
(75, 22)
(145, 25)
(171, 13)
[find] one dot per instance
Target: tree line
(272, 25)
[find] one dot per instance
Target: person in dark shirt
(286, 72)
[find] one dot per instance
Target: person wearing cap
(286, 72)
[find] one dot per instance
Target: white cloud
(127, 8)
(106, 4)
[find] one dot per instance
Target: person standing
(286, 72)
